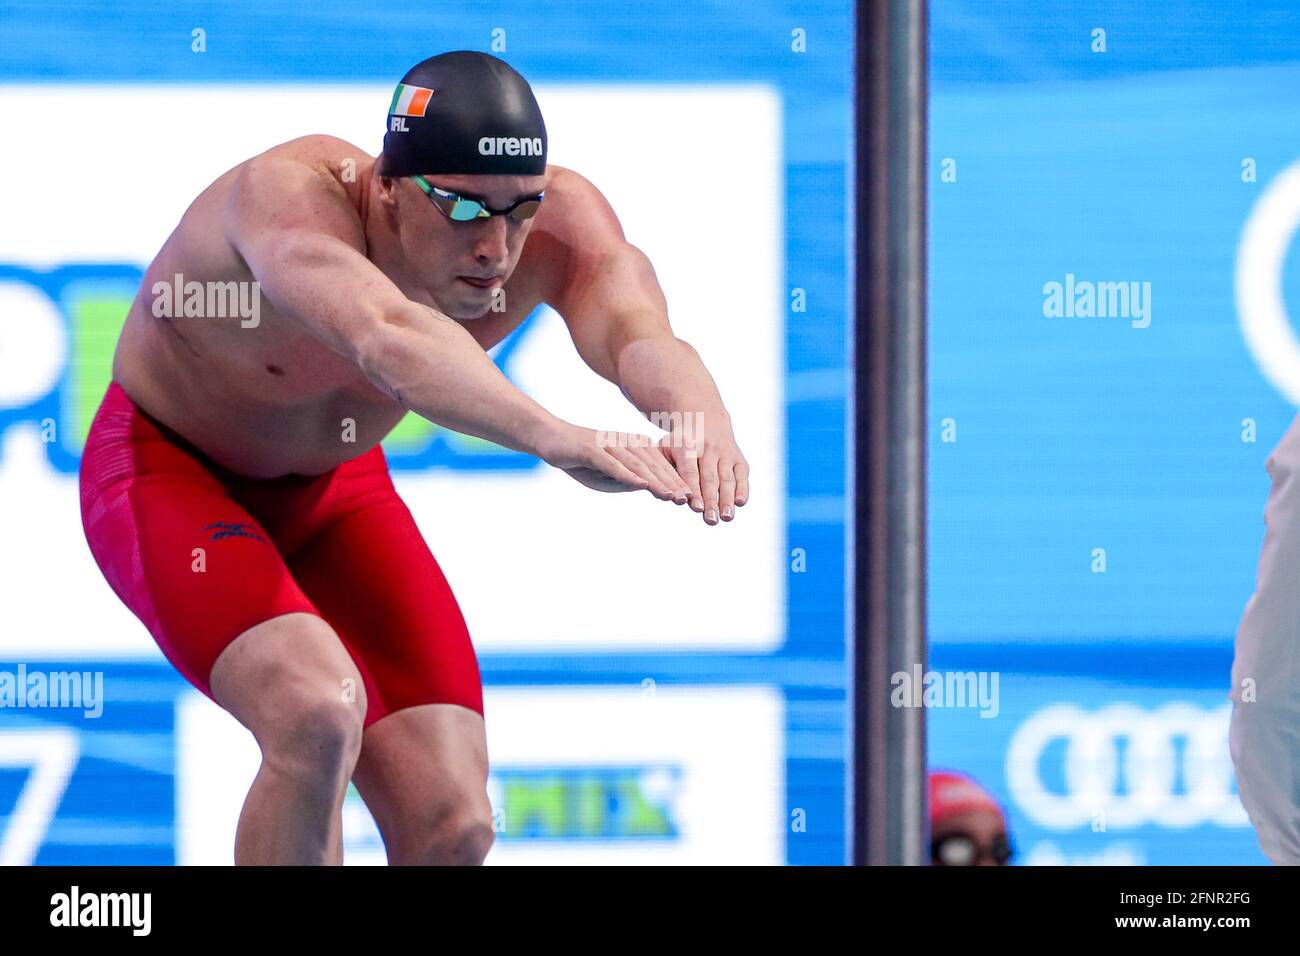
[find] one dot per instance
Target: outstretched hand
(614, 462)
(711, 464)
(705, 468)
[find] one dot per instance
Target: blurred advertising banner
(580, 775)
(1093, 761)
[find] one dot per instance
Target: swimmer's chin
(465, 312)
(464, 316)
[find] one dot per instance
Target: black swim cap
(464, 112)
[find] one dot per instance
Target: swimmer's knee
(318, 734)
(458, 833)
(291, 682)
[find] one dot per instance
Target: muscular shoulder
(572, 232)
(307, 184)
(576, 213)
(327, 155)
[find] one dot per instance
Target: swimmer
(268, 555)
(967, 826)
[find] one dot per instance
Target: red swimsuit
(341, 545)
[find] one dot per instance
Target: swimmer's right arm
(300, 238)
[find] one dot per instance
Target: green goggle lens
(460, 209)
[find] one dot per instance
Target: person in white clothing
(1264, 735)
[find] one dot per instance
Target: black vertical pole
(887, 576)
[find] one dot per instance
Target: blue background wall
(1075, 434)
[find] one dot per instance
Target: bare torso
(271, 399)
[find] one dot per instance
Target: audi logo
(1261, 256)
(1125, 767)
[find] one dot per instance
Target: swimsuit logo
(510, 146)
(225, 529)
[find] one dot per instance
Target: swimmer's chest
(287, 357)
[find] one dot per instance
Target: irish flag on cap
(409, 100)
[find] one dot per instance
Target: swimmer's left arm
(617, 315)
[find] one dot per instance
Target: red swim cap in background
(953, 793)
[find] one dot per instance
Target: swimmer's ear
(388, 197)
(387, 186)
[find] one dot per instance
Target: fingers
(689, 468)
(714, 485)
(634, 460)
(709, 486)
(663, 458)
(724, 484)
(726, 490)
(663, 465)
(619, 471)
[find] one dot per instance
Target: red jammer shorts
(341, 546)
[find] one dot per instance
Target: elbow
(377, 352)
(395, 341)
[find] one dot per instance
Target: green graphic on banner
(97, 314)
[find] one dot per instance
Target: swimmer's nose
(490, 242)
